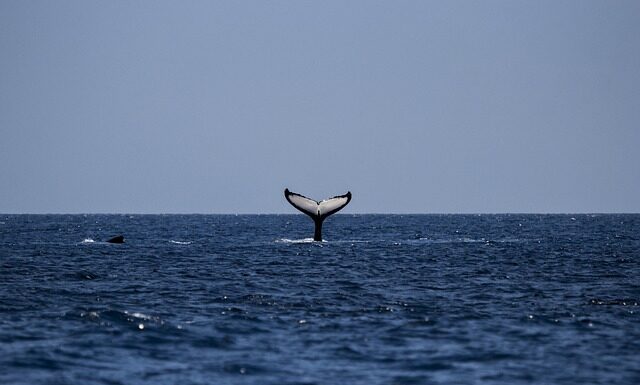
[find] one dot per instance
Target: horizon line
(341, 214)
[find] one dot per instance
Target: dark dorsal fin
(118, 239)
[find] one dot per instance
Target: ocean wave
(180, 242)
(324, 241)
(468, 240)
(304, 240)
(110, 317)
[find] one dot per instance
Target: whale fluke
(318, 211)
(118, 239)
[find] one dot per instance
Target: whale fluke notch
(117, 239)
(318, 211)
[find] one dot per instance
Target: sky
(413, 106)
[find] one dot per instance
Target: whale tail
(318, 211)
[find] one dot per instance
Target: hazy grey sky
(414, 106)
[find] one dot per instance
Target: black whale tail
(318, 211)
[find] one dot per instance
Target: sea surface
(385, 299)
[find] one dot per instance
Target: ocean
(384, 299)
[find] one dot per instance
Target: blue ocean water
(385, 299)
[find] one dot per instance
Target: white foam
(88, 240)
(305, 240)
(139, 315)
(469, 240)
(310, 240)
(180, 242)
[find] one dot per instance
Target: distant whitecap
(180, 242)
